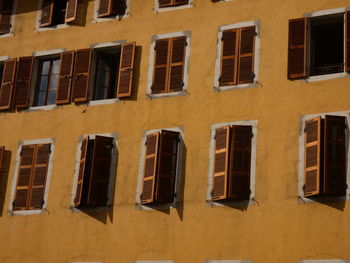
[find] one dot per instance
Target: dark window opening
(59, 12)
(87, 173)
(1, 72)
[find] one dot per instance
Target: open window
(172, 3)
(108, 8)
(6, 10)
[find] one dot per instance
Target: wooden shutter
(230, 49)
(23, 81)
(7, 85)
(82, 166)
(71, 10)
(46, 13)
(105, 8)
(82, 75)
(65, 77)
(100, 171)
(221, 161)
(297, 45)
(312, 158)
(347, 41)
(177, 63)
(246, 55)
(167, 166)
(334, 155)
(126, 70)
(2, 152)
(5, 16)
(165, 3)
(240, 162)
(151, 161)
(160, 71)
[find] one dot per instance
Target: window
(6, 10)
(317, 45)
(108, 8)
(171, 3)
(7, 77)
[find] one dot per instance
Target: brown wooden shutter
(151, 161)
(71, 10)
(240, 161)
(312, 158)
(82, 74)
(100, 171)
(5, 16)
(165, 3)
(7, 85)
(246, 55)
(347, 41)
(105, 8)
(221, 161)
(230, 49)
(297, 45)
(167, 166)
(2, 152)
(177, 63)
(23, 81)
(65, 77)
(46, 13)
(82, 166)
(161, 62)
(126, 70)
(334, 155)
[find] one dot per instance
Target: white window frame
(301, 175)
(154, 38)
(47, 28)
(217, 86)
(324, 261)
(112, 176)
(13, 20)
(52, 141)
(179, 172)
(153, 261)
(97, 19)
(158, 9)
(210, 201)
(228, 261)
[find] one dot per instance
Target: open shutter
(105, 8)
(229, 59)
(177, 64)
(297, 45)
(180, 2)
(7, 85)
(46, 13)
(347, 41)
(71, 10)
(312, 158)
(100, 171)
(24, 176)
(151, 161)
(240, 160)
(167, 166)
(221, 161)
(82, 74)
(165, 3)
(23, 81)
(160, 71)
(126, 69)
(334, 155)
(65, 77)
(82, 165)
(246, 55)
(2, 152)
(5, 16)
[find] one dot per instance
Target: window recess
(172, 3)
(6, 9)
(111, 8)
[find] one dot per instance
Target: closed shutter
(100, 171)
(246, 55)
(23, 81)
(126, 70)
(105, 8)
(334, 155)
(221, 161)
(151, 161)
(167, 166)
(240, 160)
(7, 85)
(65, 77)
(5, 16)
(82, 166)
(297, 44)
(177, 64)
(46, 13)
(82, 75)
(230, 46)
(71, 10)
(160, 72)
(313, 142)
(347, 41)
(165, 3)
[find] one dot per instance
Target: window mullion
(170, 51)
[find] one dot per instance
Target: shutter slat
(46, 13)
(71, 10)
(246, 55)
(228, 75)
(7, 85)
(23, 81)
(82, 165)
(105, 8)
(65, 77)
(160, 72)
(126, 70)
(82, 75)
(178, 53)
(347, 41)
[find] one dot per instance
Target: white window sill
(327, 77)
(102, 102)
(234, 87)
(27, 212)
(48, 28)
(42, 108)
(165, 9)
(110, 18)
(11, 34)
(169, 94)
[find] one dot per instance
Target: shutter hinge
(252, 134)
(183, 84)
(185, 44)
(255, 33)
(220, 79)
(222, 38)
(303, 187)
(304, 129)
(155, 47)
(13, 203)
(42, 202)
(253, 74)
(21, 153)
(50, 149)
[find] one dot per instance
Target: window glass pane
(43, 83)
(56, 66)
(41, 98)
(52, 97)
(45, 68)
(53, 82)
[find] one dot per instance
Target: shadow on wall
(4, 174)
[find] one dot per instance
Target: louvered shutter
(71, 10)
(347, 41)
(167, 166)
(165, 3)
(297, 44)
(46, 13)
(7, 85)
(180, 2)
(334, 155)
(5, 16)
(100, 171)
(178, 52)
(228, 75)
(221, 161)
(240, 160)
(160, 66)
(126, 70)
(105, 8)
(82, 166)
(313, 143)
(24, 176)
(23, 81)
(65, 77)
(246, 55)
(151, 161)
(81, 75)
